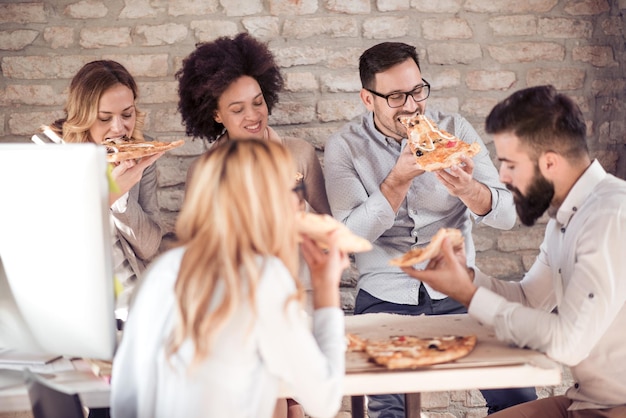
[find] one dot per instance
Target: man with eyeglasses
(375, 187)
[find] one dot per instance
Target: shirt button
(414, 233)
(559, 271)
(590, 295)
(412, 211)
(563, 230)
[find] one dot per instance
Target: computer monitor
(56, 273)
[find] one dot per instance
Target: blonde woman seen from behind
(206, 336)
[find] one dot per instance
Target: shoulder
(275, 273)
(297, 145)
(355, 130)
(163, 271)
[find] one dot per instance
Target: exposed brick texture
(474, 53)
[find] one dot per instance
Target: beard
(537, 200)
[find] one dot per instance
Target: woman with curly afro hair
(227, 89)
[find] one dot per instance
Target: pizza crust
(122, 150)
(317, 227)
(419, 255)
(434, 148)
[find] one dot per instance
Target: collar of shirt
(370, 125)
(580, 192)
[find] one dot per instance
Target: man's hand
(128, 173)
(458, 180)
(460, 183)
(448, 274)
(397, 183)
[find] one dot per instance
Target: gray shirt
(358, 158)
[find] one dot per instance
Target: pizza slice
(129, 149)
(419, 255)
(434, 148)
(317, 227)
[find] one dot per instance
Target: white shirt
(240, 377)
(580, 270)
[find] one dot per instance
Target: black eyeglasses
(398, 99)
(300, 191)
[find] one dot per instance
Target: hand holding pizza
(447, 273)
(127, 173)
(458, 179)
(326, 267)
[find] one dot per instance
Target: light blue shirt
(358, 158)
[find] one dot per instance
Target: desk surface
(491, 364)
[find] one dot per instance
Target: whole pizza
(433, 148)
(410, 352)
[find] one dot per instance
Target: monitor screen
(56, 274)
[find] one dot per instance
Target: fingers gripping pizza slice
(129, 149)
(419, 255)
(434, 148)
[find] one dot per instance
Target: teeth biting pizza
(434, 148)
(419, 255)
(317, 227)
(125, 148)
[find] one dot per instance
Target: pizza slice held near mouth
(125, 148)
(317, 227)
(435, 149)
(433, 249)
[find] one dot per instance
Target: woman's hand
(326, 268)
(128, 173)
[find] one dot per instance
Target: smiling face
(403, 77)
(116, 115)
(242, 109)
(532, 192)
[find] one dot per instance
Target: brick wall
(474, 53)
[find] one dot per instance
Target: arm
(593, 294)
(396, 184)
(357, 202)
(135, 215)
(477, 183)
(312, 364)
(309, 165)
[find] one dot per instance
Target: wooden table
(490, 365)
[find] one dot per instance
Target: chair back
(48, 400)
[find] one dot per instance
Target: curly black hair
(209, 70)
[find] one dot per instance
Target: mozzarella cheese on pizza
(434, 148)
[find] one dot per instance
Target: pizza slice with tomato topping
(434, 148)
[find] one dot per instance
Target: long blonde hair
(237, 207)
(86, 89)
